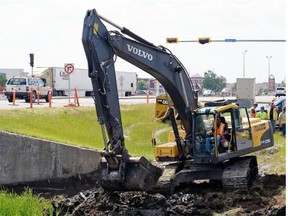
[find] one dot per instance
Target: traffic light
(31, 59)
(204, 40)
(172, 40)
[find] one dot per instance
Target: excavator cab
(214, 156)
(214, 129)
(240, 135)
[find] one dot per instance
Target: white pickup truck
(22, 87)
(280, 91)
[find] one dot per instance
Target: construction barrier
(147, 97)
(31, 97)
(14, 97)
(76, 100)
(50, 97)
(38, 95)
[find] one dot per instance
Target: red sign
(69, 68)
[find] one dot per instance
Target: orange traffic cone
(14, 97)
(31, 98)
(76, 99)
(38, 95)
(50, 97)
(147, 96)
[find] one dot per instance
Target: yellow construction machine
(194, 151)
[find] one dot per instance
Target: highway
(88, 101)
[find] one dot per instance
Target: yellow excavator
(195, 151)
(162, 103)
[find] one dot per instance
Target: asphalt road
(88, 101)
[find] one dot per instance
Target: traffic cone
(147, 96)
(76, 99)
(14, 97)
(31, 98)
(50, 97)
(38, 95)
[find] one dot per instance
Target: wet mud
(266, 197)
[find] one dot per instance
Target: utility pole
(268, 57)
(244, 62)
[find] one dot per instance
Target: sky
(52, 30)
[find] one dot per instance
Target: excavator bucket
(141, 174)
(135, 174)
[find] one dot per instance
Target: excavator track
(236, 174)
(240, 173)
(165, 184)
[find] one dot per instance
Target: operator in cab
(220, 131)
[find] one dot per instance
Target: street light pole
(268, 57)
(244, 62)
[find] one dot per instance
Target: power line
(227, 40)
(204, 40)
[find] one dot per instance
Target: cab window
(30, 81)
(41, 83)
(242, 129)
(35, 81)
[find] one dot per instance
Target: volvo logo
(139, 52)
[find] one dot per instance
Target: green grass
(274, 158)
(25, 204)
(78, 126)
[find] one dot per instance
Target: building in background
(10, 72)
(197, 80)
(271, 83)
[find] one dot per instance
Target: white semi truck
(126, 83)
(58, 79)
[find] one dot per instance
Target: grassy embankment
(78, 126)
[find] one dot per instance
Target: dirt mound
(265, 198)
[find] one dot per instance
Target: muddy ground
(266, 197)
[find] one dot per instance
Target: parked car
(141, 92)
(280, 91)
(144, 92)
(226, 92)
(208, 92)
(22, 86)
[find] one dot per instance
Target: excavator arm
(101, 48)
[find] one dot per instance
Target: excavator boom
(118, 170)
